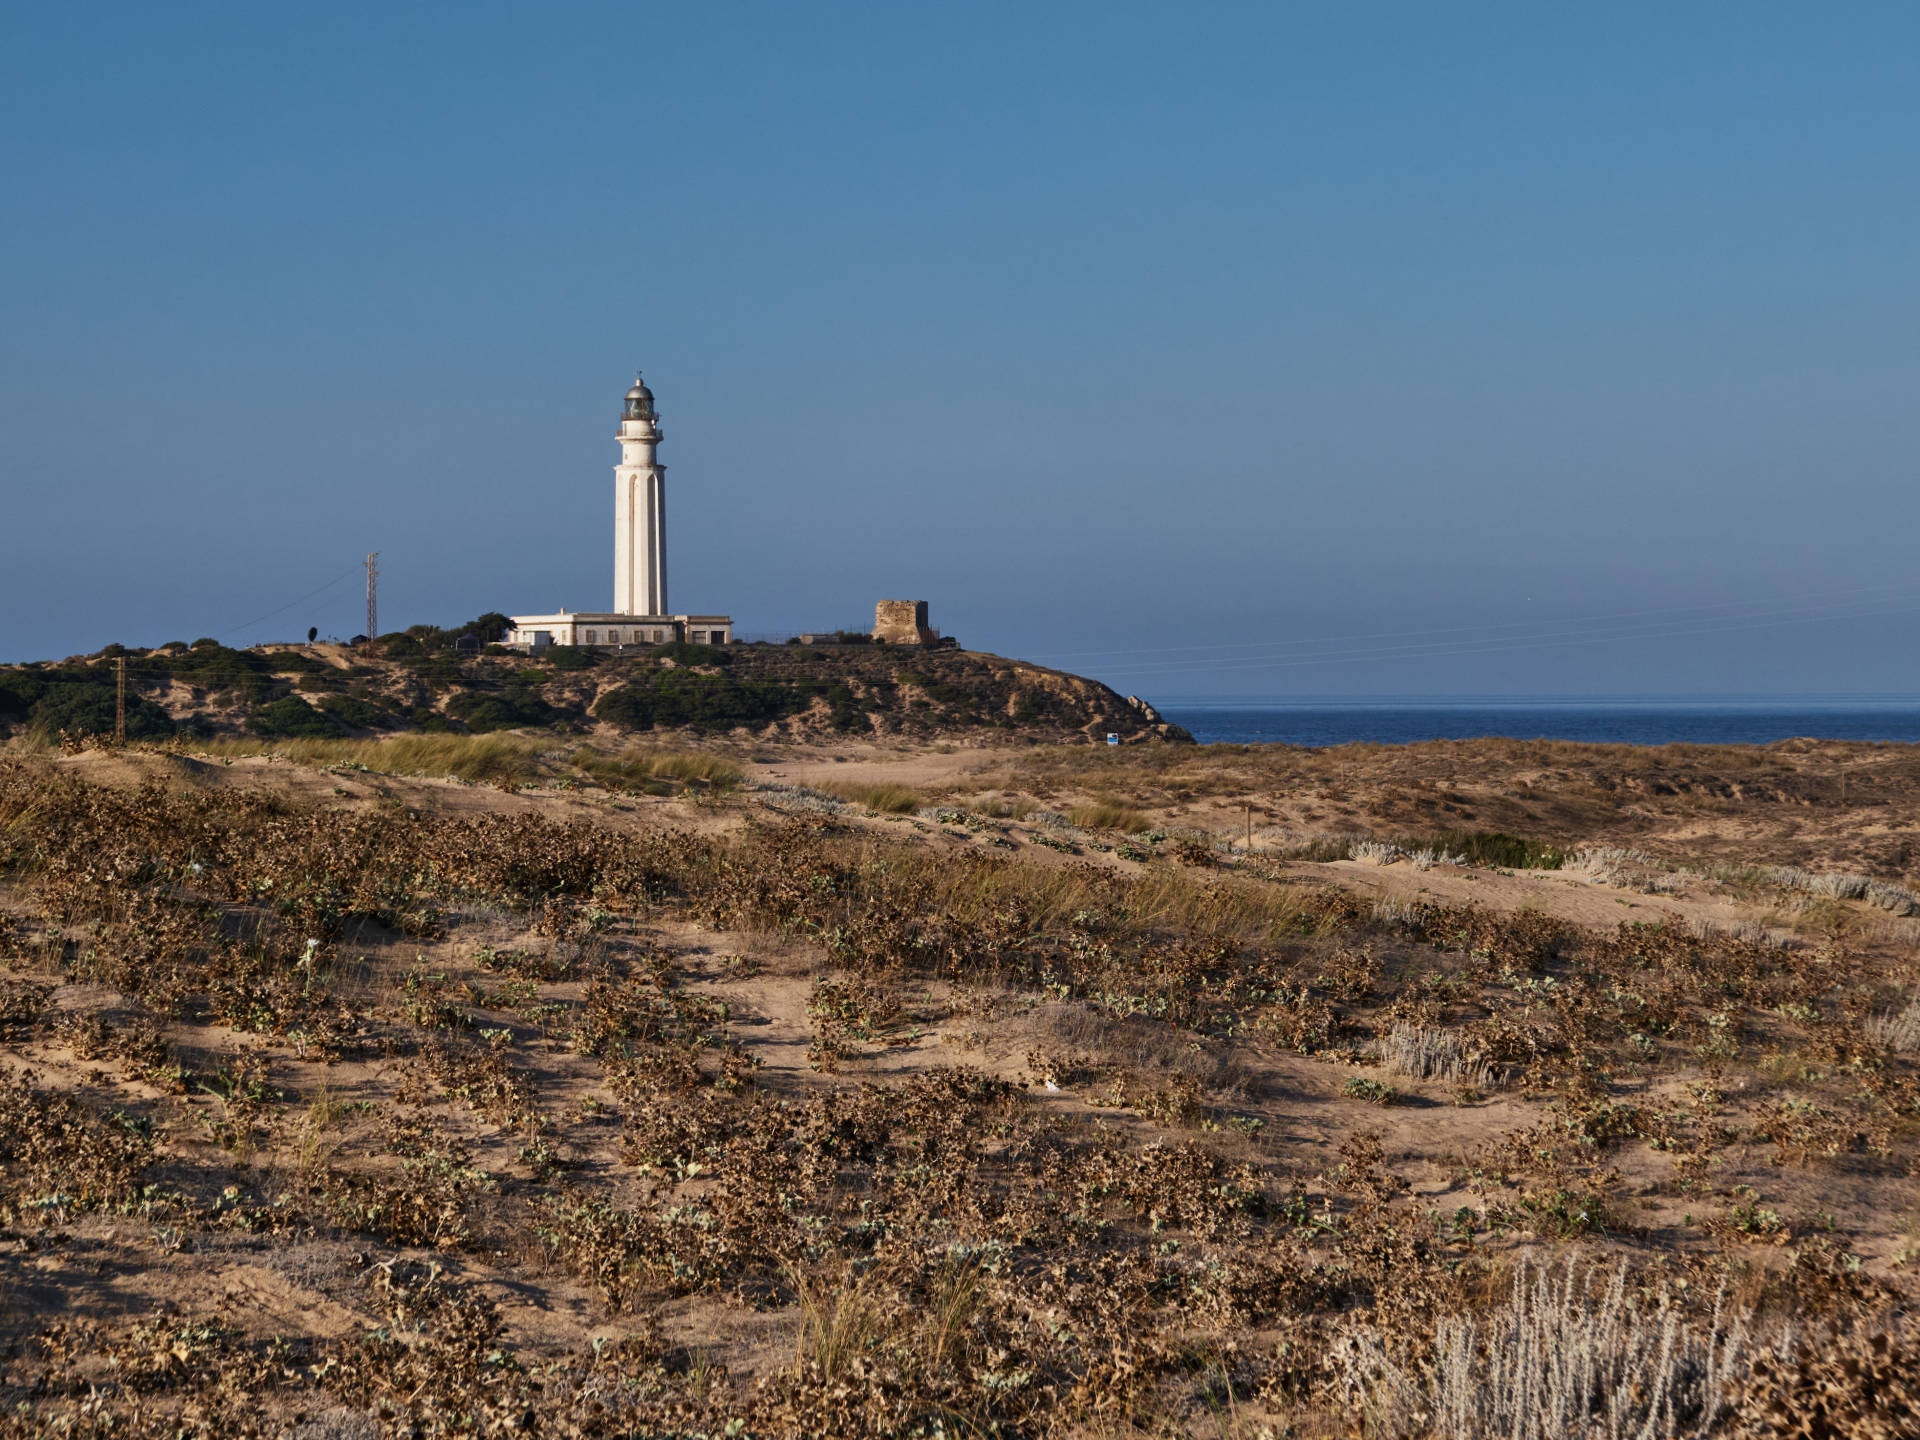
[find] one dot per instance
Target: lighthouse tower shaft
(640, 510)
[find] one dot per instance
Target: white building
(640, 615)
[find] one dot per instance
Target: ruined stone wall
(902, 622)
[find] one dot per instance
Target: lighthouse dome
(639, 404)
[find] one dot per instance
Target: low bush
(1490, 849)
(294, 719)
(707, 702)
(361, 714)
(682, 653)
(508, 709)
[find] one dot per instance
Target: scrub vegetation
(421, 681)
(353, 1105)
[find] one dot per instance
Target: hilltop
(419, 681)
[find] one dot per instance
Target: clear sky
(1213, 349)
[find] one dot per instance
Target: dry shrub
(22, 1005)
(1142, 1047)
(1898, 1030)
(1374, 852)
(1856, 1383)
(59, 1159)
(1426, 1054)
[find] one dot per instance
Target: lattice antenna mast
(373, 601)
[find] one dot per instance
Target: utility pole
(373, 607)
(120, 701)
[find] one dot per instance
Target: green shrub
(570, 657)
(18, 691)
(212, 666)
(401, 646)
(431, 721)
(81, 709)
(292, 718)
(361, 714)
(709, 702)
(507, 709)
(1492, 848)
(681, 653)
(1374, 1092)
(292, 662)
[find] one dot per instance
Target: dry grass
(1109, 815)
(1898, 1030)
(839, 1320)
(1003, 805)
(1159, 900)
(686, 766)
(496, 759)
(887, 799)
(477, 759)
(1424, 1054)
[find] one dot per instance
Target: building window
(590, 635)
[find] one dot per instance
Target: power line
(242, 629)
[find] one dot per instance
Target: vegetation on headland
(419, 681)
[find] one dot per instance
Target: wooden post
(120, 701)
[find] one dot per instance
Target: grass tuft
(687, 766)
(887, 799)
(478, 759)
(1109, 815)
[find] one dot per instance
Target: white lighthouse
(639, 615)
(639, 510)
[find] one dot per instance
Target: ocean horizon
(1611, 719)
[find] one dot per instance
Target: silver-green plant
(1553, 1362)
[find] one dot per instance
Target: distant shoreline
(1744, 720)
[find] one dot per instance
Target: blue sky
(1215, 350)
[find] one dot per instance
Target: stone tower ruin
(903, 622)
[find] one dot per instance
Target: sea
(1614, 719)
